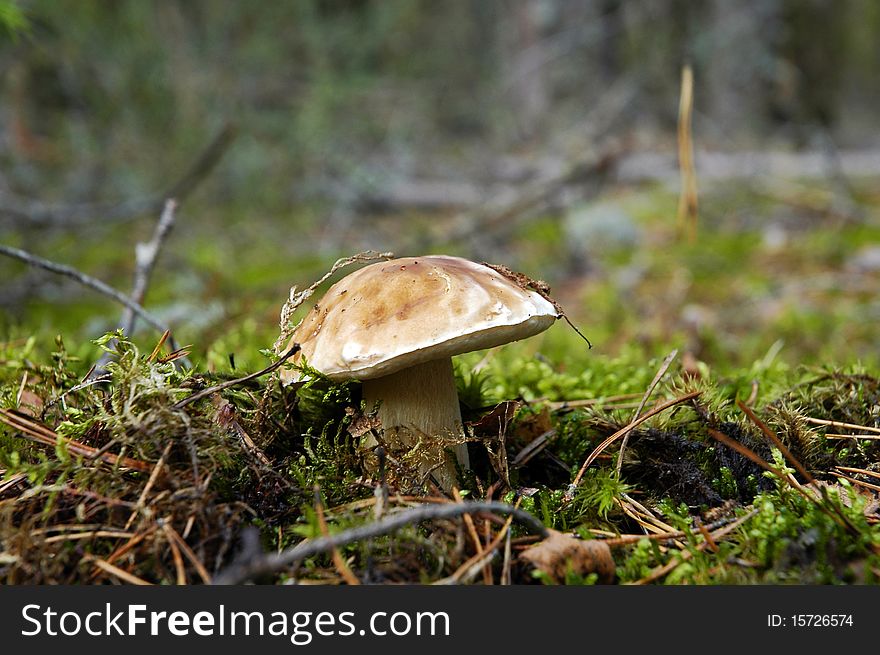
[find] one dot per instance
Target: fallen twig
(85, 280)
(145, 260)
(840, 424)
(272, 562)
(231, 383)
(687, 200)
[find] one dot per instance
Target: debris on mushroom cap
(394, 314)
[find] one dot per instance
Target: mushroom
(395, 325)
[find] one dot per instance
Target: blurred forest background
(541, 134)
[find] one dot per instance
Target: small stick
(187, 551)
(175, 553)
(271, 562)
(839, 424)
(145, 261)
(774, 440)
(338, 561)
(659, 376)
(687, 200)
(154, 475)
(472, 531)
(85, 280)
(231, 383)
(125, 576)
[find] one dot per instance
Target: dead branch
(267, 563)
(41, 215)
(145, 260)
(85, 280)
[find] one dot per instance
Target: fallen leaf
(558, 554)
(362, 423)
(496, 421)
(30, 403)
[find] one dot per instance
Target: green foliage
(12, 19)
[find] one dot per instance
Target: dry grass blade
(774, 440)
(187, 551)
(159, 345)
(868, 437)
(685, 555)
(607, 401)
(840, 424)
(11, 482)
(123, 575)
(861, 483)
(175, 554)
(338, 561)
(91, 534)
(154, 475)
(650, 390)
(127, 547)
(472, 532)
(41, 434)
(850, 469)
(687, 201)
(751, 455)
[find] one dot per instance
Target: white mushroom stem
(421, 400)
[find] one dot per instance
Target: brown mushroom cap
(394, 314)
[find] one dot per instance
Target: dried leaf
(30, 403)
(496, 421)
(362, 423)
(559, 553)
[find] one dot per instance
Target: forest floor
(741, 367)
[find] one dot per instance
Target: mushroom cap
(394, 314)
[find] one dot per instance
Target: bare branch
(85, 280)
(145, 261)
(272, 562)
(42, 215)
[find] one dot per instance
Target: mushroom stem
(422, 400)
